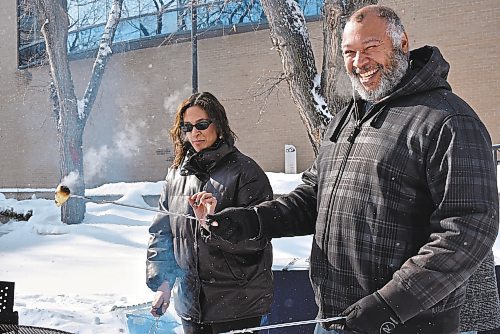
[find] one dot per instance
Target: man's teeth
(368, 74)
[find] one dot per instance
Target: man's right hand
(235, 224)
(372, 315)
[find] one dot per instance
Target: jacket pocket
(234, 266)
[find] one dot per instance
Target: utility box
(290, 159)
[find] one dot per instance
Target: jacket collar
(428, 70)
(203, 162)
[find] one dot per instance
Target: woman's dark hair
(216, 113)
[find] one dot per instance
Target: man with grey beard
(402, 198)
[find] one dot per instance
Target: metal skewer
(165, 212)
(286, 324)
(63, 193)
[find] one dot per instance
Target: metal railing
(496, 148)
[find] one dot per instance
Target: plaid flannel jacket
(403, 201)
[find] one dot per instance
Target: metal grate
(14, 329)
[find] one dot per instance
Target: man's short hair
(395, 28)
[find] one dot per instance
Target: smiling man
(402, 198)
(375, 60)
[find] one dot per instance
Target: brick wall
(467, 34)
(126, 137)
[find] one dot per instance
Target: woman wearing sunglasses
(219, 286)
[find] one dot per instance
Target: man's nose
(359, 60)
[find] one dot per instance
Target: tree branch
(103, 55)
(290, 37)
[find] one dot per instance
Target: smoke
(125, 144)
(107, 162)
(127, 141)
(95, 161)
(172, 101)
(70, 179)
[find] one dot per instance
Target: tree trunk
(336, 85)
(290, 37)
(69, 126)
(316, 99)
(70, 118)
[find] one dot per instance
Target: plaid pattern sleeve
(464, 224)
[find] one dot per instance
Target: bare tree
(72, 114)
(317, 96)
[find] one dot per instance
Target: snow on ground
(85, 278)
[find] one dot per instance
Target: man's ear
(405, 46)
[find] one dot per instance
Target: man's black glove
(371, 315)
(334, 325)
(235, 224)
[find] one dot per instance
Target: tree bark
(102, 58)
(70, 118)
(69, 126)
(317, 99)
(290, 37)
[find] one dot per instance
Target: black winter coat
(403, 201)
(216, 280)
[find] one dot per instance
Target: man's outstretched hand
(235, 224)
(371, 315)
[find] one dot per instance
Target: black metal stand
(16, 329)
(7, 314)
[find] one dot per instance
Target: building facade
(126, 137)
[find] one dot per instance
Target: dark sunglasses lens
(202, 125)
(186, 127)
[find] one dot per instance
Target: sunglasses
(201, 125)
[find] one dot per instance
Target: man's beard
(391, 76)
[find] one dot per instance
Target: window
(140, 20)
(31, 47)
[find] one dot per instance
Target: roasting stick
(63, 193)
(286, 324)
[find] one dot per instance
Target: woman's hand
(161, 300)
(203, 204)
